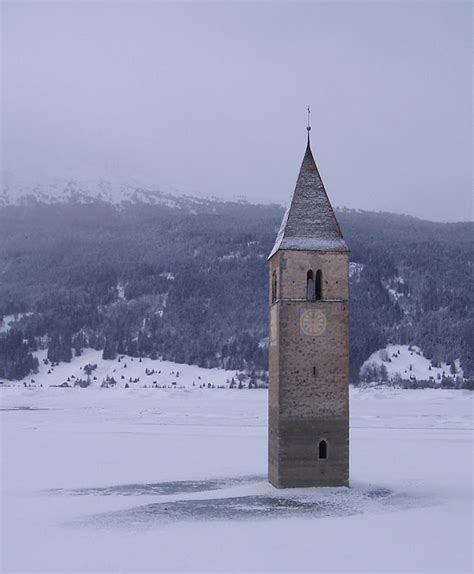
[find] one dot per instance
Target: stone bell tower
(309, 341)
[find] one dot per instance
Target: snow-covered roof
(309, 223)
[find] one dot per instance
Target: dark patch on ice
(273, 504)
(160, 488)
(379, 493)
(236, 508)
(308, 503)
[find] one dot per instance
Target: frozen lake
(108, 480)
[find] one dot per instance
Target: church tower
(309, 341)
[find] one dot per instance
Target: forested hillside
(188, 283)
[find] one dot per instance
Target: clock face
(312, 322)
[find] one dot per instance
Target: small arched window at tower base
(323, 449)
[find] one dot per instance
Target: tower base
(295, 456)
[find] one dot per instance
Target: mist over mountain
(20, 190)
(150, 273)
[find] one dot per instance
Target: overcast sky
(211, 98)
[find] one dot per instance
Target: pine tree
(110, 350)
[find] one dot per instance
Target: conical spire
(309, 223)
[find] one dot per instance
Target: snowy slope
(9, 320)
(138, 374)
(407, 361)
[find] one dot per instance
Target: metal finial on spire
(308, 127)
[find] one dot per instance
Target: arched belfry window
(319, 285)
(323, 449)
(309, 286)
(274, 286)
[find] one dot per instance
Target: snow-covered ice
(109, 480)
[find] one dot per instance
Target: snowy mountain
(117, 193)
(185, 280)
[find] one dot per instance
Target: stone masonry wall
(308, 395)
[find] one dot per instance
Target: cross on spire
(308, 127)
